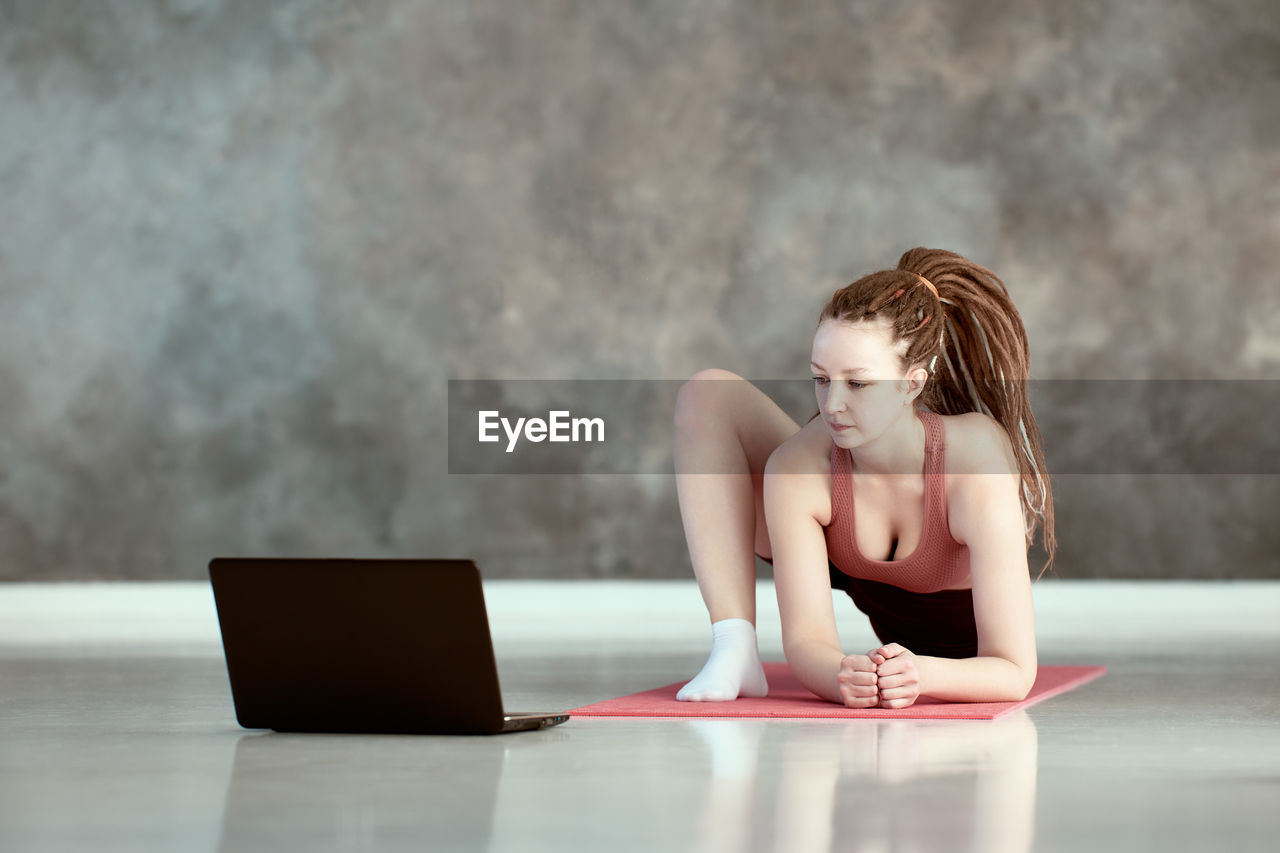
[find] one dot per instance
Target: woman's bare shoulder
(806, 451)
(977, 443)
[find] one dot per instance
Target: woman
(925, 436)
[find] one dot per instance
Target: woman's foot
(733, 668)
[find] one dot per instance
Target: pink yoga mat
(789, 698)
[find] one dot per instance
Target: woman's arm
(792, 499)
(985, 513)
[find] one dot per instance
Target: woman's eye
(852, 384)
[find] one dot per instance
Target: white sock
(733, 669)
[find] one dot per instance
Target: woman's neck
(899, 450)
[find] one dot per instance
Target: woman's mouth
(840, 427)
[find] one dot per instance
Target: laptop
(385, 646)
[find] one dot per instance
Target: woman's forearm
(816, 665)
(978, 679)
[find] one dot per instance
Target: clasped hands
(882, 678)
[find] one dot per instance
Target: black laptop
(387, 646)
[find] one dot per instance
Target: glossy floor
(117, 732)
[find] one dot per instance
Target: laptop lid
(357, 645)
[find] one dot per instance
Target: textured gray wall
(243, 245)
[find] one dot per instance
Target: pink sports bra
(938, 562)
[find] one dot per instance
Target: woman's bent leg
(725, 429)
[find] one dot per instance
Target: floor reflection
(705, 785)
(361, 792)
(892, 785)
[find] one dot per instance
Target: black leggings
(938, 624)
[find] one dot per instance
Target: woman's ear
(916, 380)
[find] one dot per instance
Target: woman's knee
(698, 395)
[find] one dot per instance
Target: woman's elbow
(1018, 687)
(1028, 683)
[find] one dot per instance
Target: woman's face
(856, 379)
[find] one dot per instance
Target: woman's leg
(725, 429)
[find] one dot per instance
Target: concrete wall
(244, 245)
